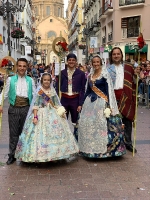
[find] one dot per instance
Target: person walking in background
(19, 90)
(29, 70)
(124, 82)
(46, 135)
(35, 73)
(41, 69)
(100, 134)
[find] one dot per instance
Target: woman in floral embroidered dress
(46, 135)
(99, 135)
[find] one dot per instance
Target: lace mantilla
(112, 99)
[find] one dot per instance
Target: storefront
(131, 52)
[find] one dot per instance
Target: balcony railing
(110, 37)
(104, 40)
(130, 2)
(101, 11)
(102, 15)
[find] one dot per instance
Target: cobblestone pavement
(125, 178)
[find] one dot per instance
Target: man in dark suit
(72, 87)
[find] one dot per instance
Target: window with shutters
(130, 26)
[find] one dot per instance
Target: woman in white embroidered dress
(46, 134)
(99, 135)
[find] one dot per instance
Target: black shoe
(130, 148)
(10, 160)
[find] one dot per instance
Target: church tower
(44, 8)
(50, 22)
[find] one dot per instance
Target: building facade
(121, 23)
(93, 27)
(17, 20)
(27, 22)
(50, 23)
(118, 23)
(75, 15)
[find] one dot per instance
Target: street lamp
(39, 39)
(87, 32)
(77, 25)
(6, 8)
(43, 57)
(34, 43)
(96, 26)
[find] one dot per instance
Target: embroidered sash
(21, 101)
(60, 109)
(46, 97)
(98, 92)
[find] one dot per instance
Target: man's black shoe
(130, 148)
(10, 160)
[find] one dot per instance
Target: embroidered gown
(50, 139)
(98, 136)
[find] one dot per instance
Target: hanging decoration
(7, 65)
(60, 48)
(17, 33)
(4, 62)
(141, 41)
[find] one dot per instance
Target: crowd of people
(98, 98)
(144, 82)
(143, 69)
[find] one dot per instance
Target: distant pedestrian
(35, 73)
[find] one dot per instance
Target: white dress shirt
(21, 88)
(119, 77)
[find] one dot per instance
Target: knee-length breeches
(71, 105)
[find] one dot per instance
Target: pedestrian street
(121, 178)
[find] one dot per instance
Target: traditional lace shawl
(112, 98)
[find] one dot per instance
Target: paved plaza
(125, 178)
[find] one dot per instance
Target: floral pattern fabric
(99, 137)
(51, 139)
